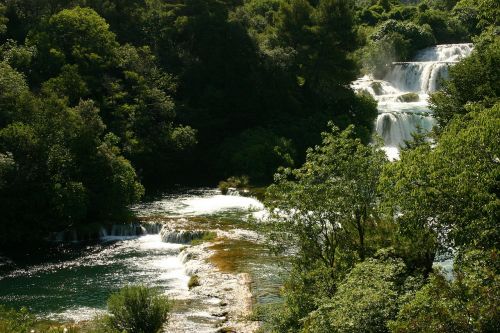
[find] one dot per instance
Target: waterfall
(402, 94)
(106, 233)
(169, 235)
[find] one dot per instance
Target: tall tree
(325, 212)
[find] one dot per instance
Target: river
(73, 281)
(235, 269)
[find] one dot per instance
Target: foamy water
(397, 119)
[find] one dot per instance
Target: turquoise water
(76, 280)
(78, 288)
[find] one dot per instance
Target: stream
(235, 269)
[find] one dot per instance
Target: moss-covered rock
(409, 97)
(377, 88)
(194, 281)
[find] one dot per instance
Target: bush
(21, 321)
(12, 321)
(376, 286)
(208, 236)
(234, 182)
(138, 309)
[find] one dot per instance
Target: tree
(321, 37)
(77, 36)
(473, 80)
(477, 15)
(60, 168)
(14, 95)
(325, 211)
(367, 299)
(449, 194)
(467, 304)
(257, 153)
(126, 17)
(3, 20)
(335, 191)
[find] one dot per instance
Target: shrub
(20, 321)
(12, 321)
(235, 182)
(138, 309)
(258, 153)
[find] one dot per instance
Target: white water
(76, 287)
(200, 202)
(397, 120)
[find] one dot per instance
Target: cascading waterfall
(169, 235)
(402, 94)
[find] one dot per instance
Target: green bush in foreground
(23, 321)
(138, 309)
(12, 321)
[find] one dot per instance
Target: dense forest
(102, 101)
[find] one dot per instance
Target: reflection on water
(76, 283)
(70, 289)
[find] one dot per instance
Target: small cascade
(402, 94)
(424, 77)
(111, 232)
(175, 236)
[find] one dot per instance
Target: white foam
(397, 120)
(219, 203)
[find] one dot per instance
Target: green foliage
(473, 80)
(235, 182)
(334, 191)
(76, 36)
(208, 236)
(17, 56)
(12, 321)
(467, 304)
(445, 27)
(477, 15)
(366, 300)
(14, 95)
(450, 191)
(325, 211)
(3, 20)
(395, 41)
(257, 153)
(64, 169)
(21, 321)
(323, 66)
(138, 309)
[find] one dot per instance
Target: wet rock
(377, 88)
(409, 97)
(220, 314)
(226, 330)
(177, 236)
